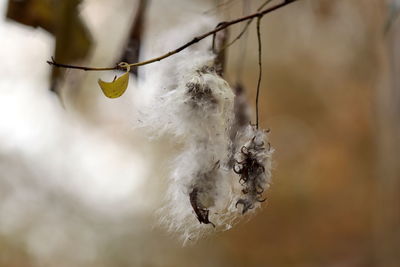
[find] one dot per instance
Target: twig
(259, 67)
(195, 40)
(263, 5)
(218, 6)
(240, 34)
(247, 25)
(67, 66)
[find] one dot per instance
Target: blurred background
(80, 186)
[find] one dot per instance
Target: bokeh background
(80, 186)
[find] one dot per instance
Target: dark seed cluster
(252, 174)
(200, 94)
(206, 69)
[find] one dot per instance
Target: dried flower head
(197, 111)
(253, 163)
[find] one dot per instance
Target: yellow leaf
(115, 88)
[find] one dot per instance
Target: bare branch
(221, 26)
(247, 25)
(67, 66)
(218, 6)
(263, 5)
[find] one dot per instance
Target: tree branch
(220, 27)
(247, 25)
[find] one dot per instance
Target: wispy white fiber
(198, 114)
(189, 104)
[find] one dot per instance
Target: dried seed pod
(201, 212)
(203, 193)
(250, 165)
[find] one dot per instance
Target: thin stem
(259, 67)
(220, 27)
(67, 66)
(218, 6)
(242, 32)
(263, 5)
(197, 39)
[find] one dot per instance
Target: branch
(218, 6)
(195, 40)
(247, 25)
